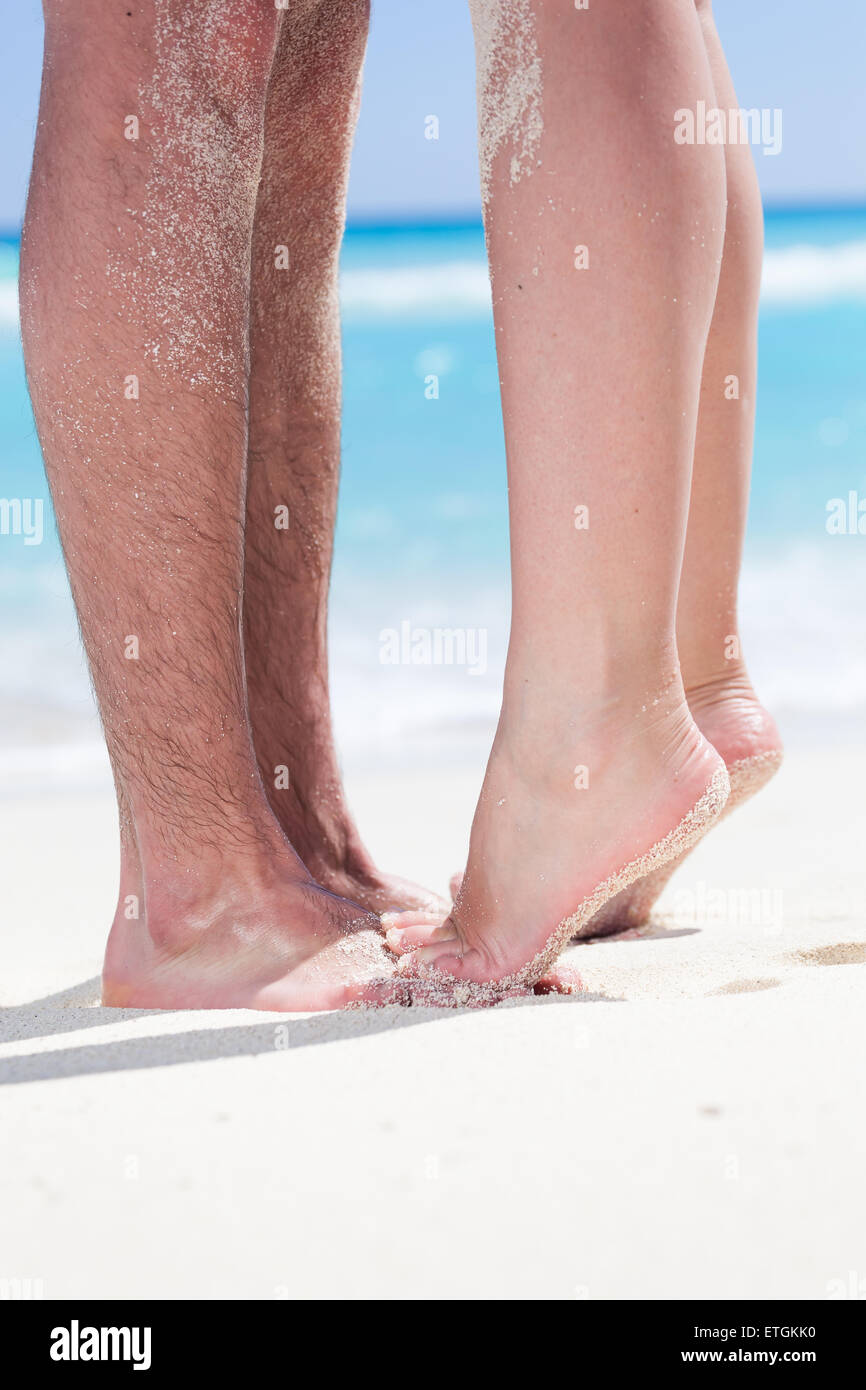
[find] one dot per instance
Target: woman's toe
(418, 933)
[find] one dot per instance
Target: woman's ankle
(730, 715)
(544, 705)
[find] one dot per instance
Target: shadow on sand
(78, 1008)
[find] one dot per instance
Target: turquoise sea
(422, 534)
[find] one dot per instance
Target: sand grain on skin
(509, 87)
(447, 989)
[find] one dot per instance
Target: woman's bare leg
(720, 694)
(605, 238)
(294, 446)
(718, 688)
(135, 276)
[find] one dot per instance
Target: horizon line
(465, 222)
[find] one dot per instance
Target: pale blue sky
(802, 56)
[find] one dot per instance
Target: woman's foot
(258, 936)
(728, 713)
(730, 716)
(564, 821)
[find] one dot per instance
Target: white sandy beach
(692, 1125)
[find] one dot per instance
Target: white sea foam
(804, 635)
(795, 275)
(8, 303)
(807, 274)
(447, 290)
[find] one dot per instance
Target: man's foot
(730, 717)
(362, 883)
(273, 940)
(548, 847)
(310, 806)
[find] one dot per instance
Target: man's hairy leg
(294, 445)
(135, 274)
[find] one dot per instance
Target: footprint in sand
(744, 987)
(846, 953)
